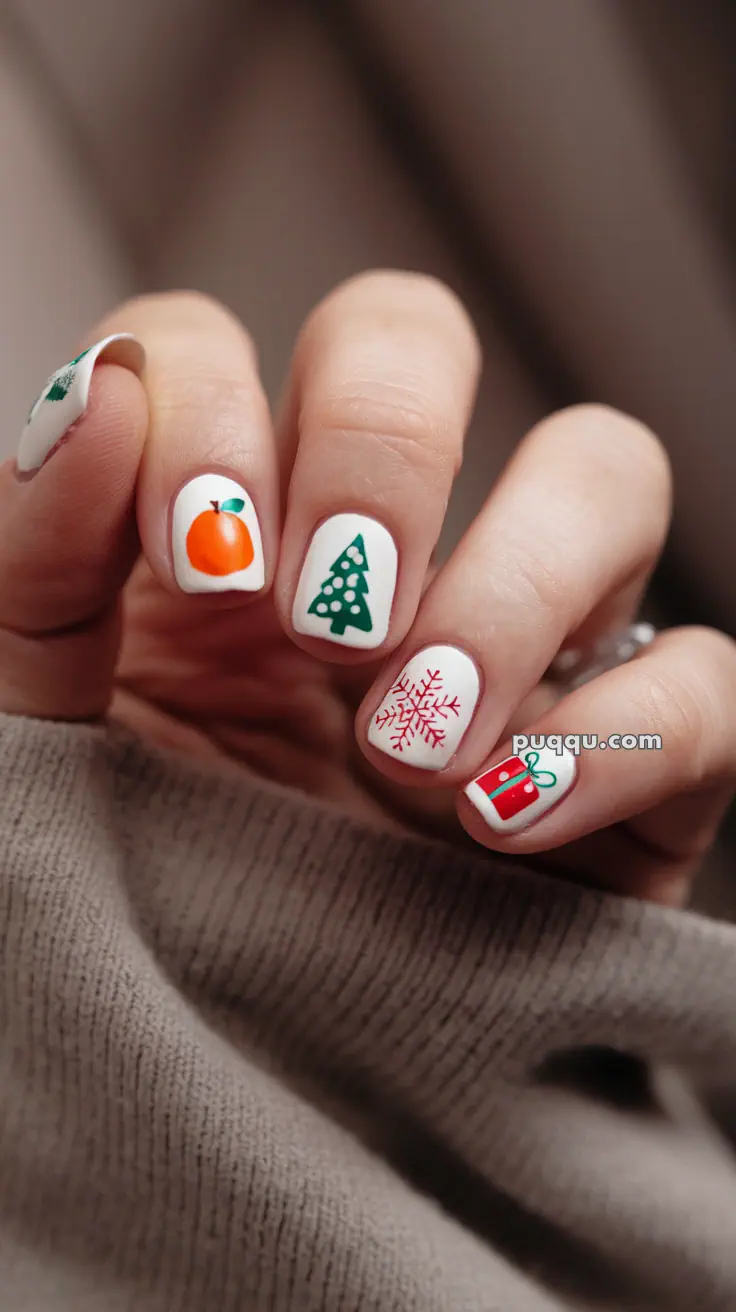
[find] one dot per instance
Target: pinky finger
(664, 763)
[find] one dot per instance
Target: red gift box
(509, 785)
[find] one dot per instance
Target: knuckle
(687, 694)
(220, 400)
(186, 305)
(709, 657)
(536, 584)
(621, 466)
(184, 313)
(390, 302)
(382, 360)
(673, 707)
(690, 699)
(624, 446)
(395, 419)
(719, 647)
(402, 286)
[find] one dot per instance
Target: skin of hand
(173, 559)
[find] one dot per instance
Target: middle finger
(382, 385)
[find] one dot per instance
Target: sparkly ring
(574, 668)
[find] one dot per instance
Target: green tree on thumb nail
(59, 384)
(342, 597)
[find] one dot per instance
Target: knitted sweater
(256, 1055)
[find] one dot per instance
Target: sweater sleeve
(256, 1054)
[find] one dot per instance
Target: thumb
(69, 536)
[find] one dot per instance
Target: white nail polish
(427, 709)
(216, 538)
(519, 790)
(347, 584)
(64, 397)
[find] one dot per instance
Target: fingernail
(216, 538)
(427, 709)
(63, 399)
(347, 584)
(521, 789)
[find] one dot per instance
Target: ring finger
(568, 535)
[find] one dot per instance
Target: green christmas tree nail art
(342, 596)
(64, 397)
(59, 384)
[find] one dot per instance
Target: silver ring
(574, 668)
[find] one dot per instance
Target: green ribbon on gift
(542, 778)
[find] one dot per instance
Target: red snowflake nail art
(427, 709)
(417, 708)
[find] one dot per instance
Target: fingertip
(64, 397)
(116, 420)
(70, 536)
(110, 432)
(70, 539)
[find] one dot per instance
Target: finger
(579, 514)
(208, 492)
(69, 537)
(664, 763)
(384, 378)
(64, 397)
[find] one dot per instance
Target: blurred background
(567, 167)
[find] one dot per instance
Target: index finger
(208, 510)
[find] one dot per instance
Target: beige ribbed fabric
(256, 1056)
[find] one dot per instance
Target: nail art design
(427, 709)
(63, 399)
(216, 538)
(346, 587)
(515, 793)
(342, 597)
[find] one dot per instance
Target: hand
(156, 532)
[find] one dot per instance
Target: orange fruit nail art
(218, 541)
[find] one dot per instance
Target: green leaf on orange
(233, 504)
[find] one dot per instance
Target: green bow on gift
(542, 778)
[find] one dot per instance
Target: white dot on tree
(322, 607)
(350, 595)
(352, 580)
(355, 610)
(335, 605)
(358, 558)
(344, 565)
(338, 583)
(327, 589)
(352, 552)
